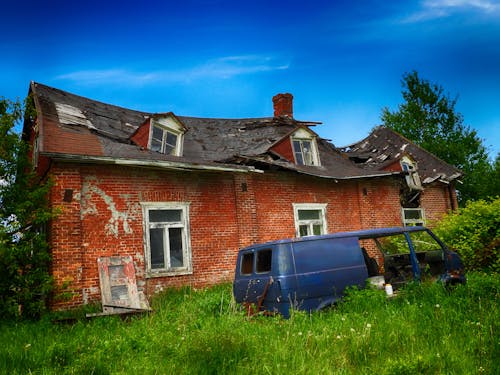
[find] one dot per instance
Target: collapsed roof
(76, 128)
(384, 147)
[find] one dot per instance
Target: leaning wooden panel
(118, 286)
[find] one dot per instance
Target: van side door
(253, 276)
(325, 267)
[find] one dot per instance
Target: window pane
(413, 214)
(246, 264)
(169, 150)
(317, 229)
(170, 144)
(157, 250)
(176, 253)
(171, 139)
(157, 133)
(307, 152)
(303, 230)
(299, 158)
(306, 146)
(296, 147)
(165, 216)
(309, 214)
(264, 258)
(156, 145)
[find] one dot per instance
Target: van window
(391, 245)
(246, 267)
(264, 258)
(423, 241)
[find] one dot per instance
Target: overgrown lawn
(423, 330)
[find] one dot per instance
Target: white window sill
(163, 273)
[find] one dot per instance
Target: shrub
(474, 232)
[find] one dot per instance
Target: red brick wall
(227, 212)
(105, 219)
(436, 201)
(65, 234)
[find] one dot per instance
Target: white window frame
(413, 222)
(301, 136)
(321, 207)
(186, 238)
(167, 126)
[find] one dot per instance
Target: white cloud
(92, 77)
(220, 68)
(434, 9)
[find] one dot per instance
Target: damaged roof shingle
(81, 126)
(384, 147)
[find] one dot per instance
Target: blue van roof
(364, 233)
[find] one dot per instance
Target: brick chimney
(283, 105)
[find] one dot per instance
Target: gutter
(159, 164)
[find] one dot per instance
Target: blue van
(310, 273)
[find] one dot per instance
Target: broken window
(166, 135)
(413, 216)
(262, 264)
(164, 141)
(304, 151)
(264, 258)
(247, 264)
(304, 147)
(167, 239)
(309, 219)
(412, 179)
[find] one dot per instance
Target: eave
(315, 171)
(156, 164)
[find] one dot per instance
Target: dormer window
(164, 141)
(166, 136)
(304, 148)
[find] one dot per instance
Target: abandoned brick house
(180, 195)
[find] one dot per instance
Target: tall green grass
(424, 330)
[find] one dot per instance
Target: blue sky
(342, 60)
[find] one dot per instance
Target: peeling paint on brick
(89, 187)
(88, 293)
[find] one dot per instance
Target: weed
(424, 329)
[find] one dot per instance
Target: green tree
(24, 256)
(428, 118)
